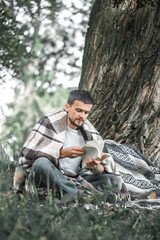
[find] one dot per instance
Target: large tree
(122, 72)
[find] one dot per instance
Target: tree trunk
(121, 70)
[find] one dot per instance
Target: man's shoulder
(53, 117)
(88, 124)
(55, 121)
(58, 114)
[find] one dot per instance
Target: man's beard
(74, 124)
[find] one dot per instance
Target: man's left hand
(92, 162)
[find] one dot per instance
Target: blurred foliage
(34, 47)
(26, 112)
(31, 35)
(17, 19)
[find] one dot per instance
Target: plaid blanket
(46, 140)
(141, 177)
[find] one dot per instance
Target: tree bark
(121, 70)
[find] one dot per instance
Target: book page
(94, 149)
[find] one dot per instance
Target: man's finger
(79, 149)
(91, 162)
(96, 162)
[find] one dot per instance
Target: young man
(52, 152)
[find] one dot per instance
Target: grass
(31, 218)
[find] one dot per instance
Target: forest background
(42, 44)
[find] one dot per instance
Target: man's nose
(82, 115)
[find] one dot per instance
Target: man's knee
(42, 171)
(42, 163)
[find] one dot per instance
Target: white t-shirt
(70, 166)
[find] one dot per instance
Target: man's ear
(67, 106)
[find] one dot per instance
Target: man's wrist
(62, 153)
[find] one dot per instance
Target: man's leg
(111, 181)
(45, 173)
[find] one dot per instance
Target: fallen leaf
(152, 195)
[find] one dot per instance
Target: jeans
(46, 174)
(105, 180)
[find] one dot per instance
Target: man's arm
(40, 143)
(72, 152)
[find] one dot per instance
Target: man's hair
(80, 95)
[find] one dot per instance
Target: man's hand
(92, 162)
(72, 152)
(95, 165)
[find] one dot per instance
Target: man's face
(77, 113)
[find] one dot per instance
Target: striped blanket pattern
(142, 177)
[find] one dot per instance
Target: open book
(94, 149)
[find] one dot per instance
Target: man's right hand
(72, 152)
